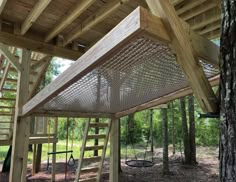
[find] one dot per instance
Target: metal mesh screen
(141, 71)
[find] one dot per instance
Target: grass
(61, 146)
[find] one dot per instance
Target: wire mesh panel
(141, 71)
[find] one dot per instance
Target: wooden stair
(86, 148)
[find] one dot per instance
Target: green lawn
(61, 146)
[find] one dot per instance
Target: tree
(192, 142)
(187, 151)
(173, 126)
(165, 141)
(228, 92)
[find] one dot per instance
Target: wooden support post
(21, 124)
(114, 151)
(186, 57)
(54, 149)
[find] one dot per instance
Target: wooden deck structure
(92, 32)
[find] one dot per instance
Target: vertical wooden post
(114, 135)
(114, 151)
(54, 149)
(34, 160)
(151, 128)
(21, 124)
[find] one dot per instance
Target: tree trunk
(151, 128)
(192, 129)
(228, 92)
(165, 141)
(173, 126)
(187, 152)
(38, 158)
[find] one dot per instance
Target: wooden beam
(21, 124)
(185, 54)
(177, 2)
(114, 151)
(190, 4)
(2, 5)
(41, 62)
(10, 57)
(33, 15)
(38, 46)
(4, 76)
(74, 13)
(93, 20)
(198, 10)
(72, 114)
(165, 99)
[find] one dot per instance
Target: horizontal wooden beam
(74, 13)
(165, 99)
(38, 46)
(90, 22)
(34, 14)
(190, 4)
(72, 114)
(32, 140)
(10, 57)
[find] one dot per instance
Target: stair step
(101, 125)
(96, 147)
(88, 180)
(92, 159)
(96, 136)
(89, 169)
(7, 99)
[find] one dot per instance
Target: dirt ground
(205, 171)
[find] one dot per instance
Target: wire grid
(141, 71)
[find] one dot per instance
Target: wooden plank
(41, 62)
(96, 147)
(101, 125)
(92, 159)
(114, 151)
(21, 124)
(90, 22)
(9, 56)
(165, 99)
(185, 55)
(4, 75)
(72, 114)
(73, 13)
(44, 63)
(33, 15)
(2, 5)
(96, 136)
(82, 151)
(89, 170)
(104, 151)
(126, 30)
(38, 46)
(88, 180)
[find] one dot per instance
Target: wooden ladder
(86, 148)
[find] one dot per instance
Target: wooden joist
(10, 57)
(101, 125)
(90, 22)
(185, 55)
(190, 4)
(2, 5)
(33, 15)
(75, 12)
(38, 46)
(4, 76)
